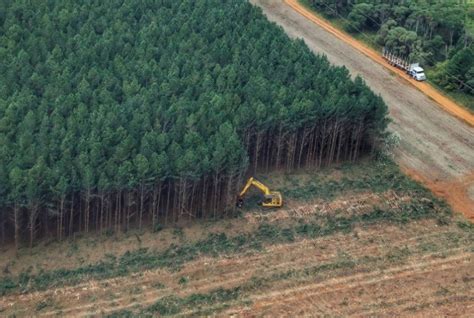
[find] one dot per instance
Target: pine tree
(113, 115)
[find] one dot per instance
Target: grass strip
(217, 244)
(216, 300)
(374, 176)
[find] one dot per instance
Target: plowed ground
(376, 266)
(377, 270)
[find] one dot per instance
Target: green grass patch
(45, 303)
(374, 176)
(466, 226)
(173, 305)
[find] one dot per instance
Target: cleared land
(436, 148)
(353, 240)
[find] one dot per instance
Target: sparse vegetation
(183, 280)
(173, 305)
(202, 304)
(216, 244)
(374, 176)
(175, 257)
(44, 304)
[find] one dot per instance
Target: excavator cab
(272, 199)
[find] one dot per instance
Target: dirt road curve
(436, 147)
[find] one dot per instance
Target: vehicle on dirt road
(413, 69)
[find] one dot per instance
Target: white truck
(412, 69)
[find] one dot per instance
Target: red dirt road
(443, 101)
(437, 136)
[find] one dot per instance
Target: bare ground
(436, 147)
(419, 269)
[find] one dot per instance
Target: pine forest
(125, 113)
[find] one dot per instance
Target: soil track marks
(343, 288)
(436, 147)
(413, 266)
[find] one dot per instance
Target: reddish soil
(456, 192)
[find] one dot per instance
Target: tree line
(128, 113)
(437, 33)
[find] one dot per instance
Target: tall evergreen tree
(118, 113)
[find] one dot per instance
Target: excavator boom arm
(257, 184)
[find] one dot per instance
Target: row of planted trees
(130, 114)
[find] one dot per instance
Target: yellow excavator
(271, 199)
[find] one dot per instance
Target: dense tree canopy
(434, 32)
(113, 110)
